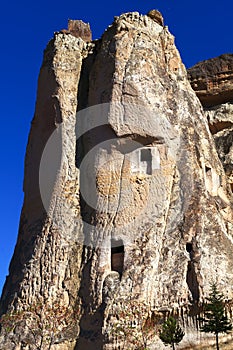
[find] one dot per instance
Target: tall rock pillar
(127, 214)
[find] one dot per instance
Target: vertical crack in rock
(192, 275)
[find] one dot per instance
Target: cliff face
(127, 213)
(212, 81)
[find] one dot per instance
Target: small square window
(146, 155)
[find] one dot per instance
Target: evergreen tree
(215, 320)
(171, 332)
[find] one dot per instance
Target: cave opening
(189, 247)
(231, 186)
(117, 256)
(191, 276)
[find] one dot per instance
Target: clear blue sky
(203, 29)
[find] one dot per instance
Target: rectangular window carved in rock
(117, 256)
(146, 160)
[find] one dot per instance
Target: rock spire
(127, 212)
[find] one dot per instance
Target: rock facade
(127, 214)
(212, 81)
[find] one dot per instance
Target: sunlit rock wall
(127, 215)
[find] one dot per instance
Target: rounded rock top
(156, 16)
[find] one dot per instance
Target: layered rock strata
(127, 214)
(213, 80)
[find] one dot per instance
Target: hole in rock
(146, 155)
(146, 158)
(189, 247)
(117, 255)
(207, 169)
(231, 185)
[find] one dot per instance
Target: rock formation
(156, 16)
(127, 213)
(212, 81)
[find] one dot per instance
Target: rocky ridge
(127, 213)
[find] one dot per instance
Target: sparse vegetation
(215, 319)
(171, 332)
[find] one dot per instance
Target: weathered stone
(79, 29)
(156, 16)
(131, 221)
(44, 268)
(220, 120)
(213, 80)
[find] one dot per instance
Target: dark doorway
(117, 255)
(146, 156)
(189, 247)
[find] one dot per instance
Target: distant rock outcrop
(127, 214)
(79, 29)
(213, 80)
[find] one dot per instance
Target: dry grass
(223, 346)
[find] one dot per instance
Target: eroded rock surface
(80, 29)
(212, 81)
(127, 214)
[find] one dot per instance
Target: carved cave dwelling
(127, 213)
